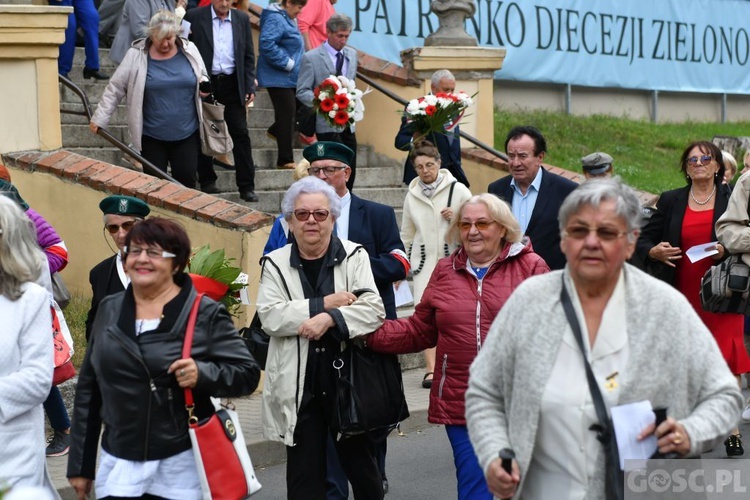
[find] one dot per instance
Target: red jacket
(454, 315)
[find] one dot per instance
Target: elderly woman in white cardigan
(528, 389)
(428, 211)
(26, 357)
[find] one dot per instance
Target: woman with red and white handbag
(133, 377)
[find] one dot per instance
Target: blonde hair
(21, 259)
(163, 25)
(499, 211)
(300, 170)
(730, 163)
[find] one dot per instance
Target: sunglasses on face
(694, 160)
(481, 225)
(126, 226)
(603, 233)
(304, 215)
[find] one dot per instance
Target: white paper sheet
(402, 294)
(629, 420)
(702, 251)
(185, 29)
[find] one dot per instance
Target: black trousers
(182, 156)
(227, 92)
(306, 461)
(284, 109)
(347, 138)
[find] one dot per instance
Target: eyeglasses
(327, 171)
(694, 160)
(151, 253)
(428, 165)
(603, 233)
(481, 225)
(126, 226)
(304, 215)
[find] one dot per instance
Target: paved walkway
(265, 452)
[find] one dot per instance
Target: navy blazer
(202, 35)
(373, 225)
(104, 281)
(449, 146)
(666, 225)
(544, 228)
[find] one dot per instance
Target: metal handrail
(372, 83)
(148, 167)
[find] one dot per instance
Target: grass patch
(646, 154)
(75, 316)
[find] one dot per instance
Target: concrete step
(108, 154)
(95, 88)
(120, 117)
(105, 63)
(270, 200)
(272, 179)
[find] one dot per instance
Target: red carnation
(430, 110)
(331, 82)
(342, 100)
(326, 105)
(341, 118)
(316, 92)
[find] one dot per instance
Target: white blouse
(565, 451)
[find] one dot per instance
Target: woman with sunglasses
(315, 294)
(133, 377)
(464, 294)
(686, 217)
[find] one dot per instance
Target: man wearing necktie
(333, 57)
(223, 38)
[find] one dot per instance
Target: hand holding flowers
(338, 101)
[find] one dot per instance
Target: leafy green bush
(75, 316)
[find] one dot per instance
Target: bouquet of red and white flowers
(213, 274)
(338, 101)
(437, 113)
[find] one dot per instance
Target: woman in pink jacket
(464, 294)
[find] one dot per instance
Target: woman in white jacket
(26, 358)
(428, 210)
(160, 76)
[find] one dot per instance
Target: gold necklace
(707, 199)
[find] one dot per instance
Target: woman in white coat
(428, 210)
(26, 358)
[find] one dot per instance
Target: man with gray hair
(333, 57)
(448, 143)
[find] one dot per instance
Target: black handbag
(614, 482)
(256, 341)
(369, 392)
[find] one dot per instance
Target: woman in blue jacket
(281, 50)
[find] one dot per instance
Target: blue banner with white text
(673, 45)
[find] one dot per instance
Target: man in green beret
(108, 276)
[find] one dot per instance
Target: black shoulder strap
(450, 193)
(602, 429)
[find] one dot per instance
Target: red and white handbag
(221, 457)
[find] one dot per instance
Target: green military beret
(325, 150)
(9, 190)
(124, 205)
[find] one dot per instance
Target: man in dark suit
(448, 144)
(333, 57)
(231, 63)
(373, 226)
(534, 193)
(108, 276)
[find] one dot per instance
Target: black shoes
(248, 195)
(95, 74)
(210, 188)
(734, 445)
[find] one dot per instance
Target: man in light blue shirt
(534, 193)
